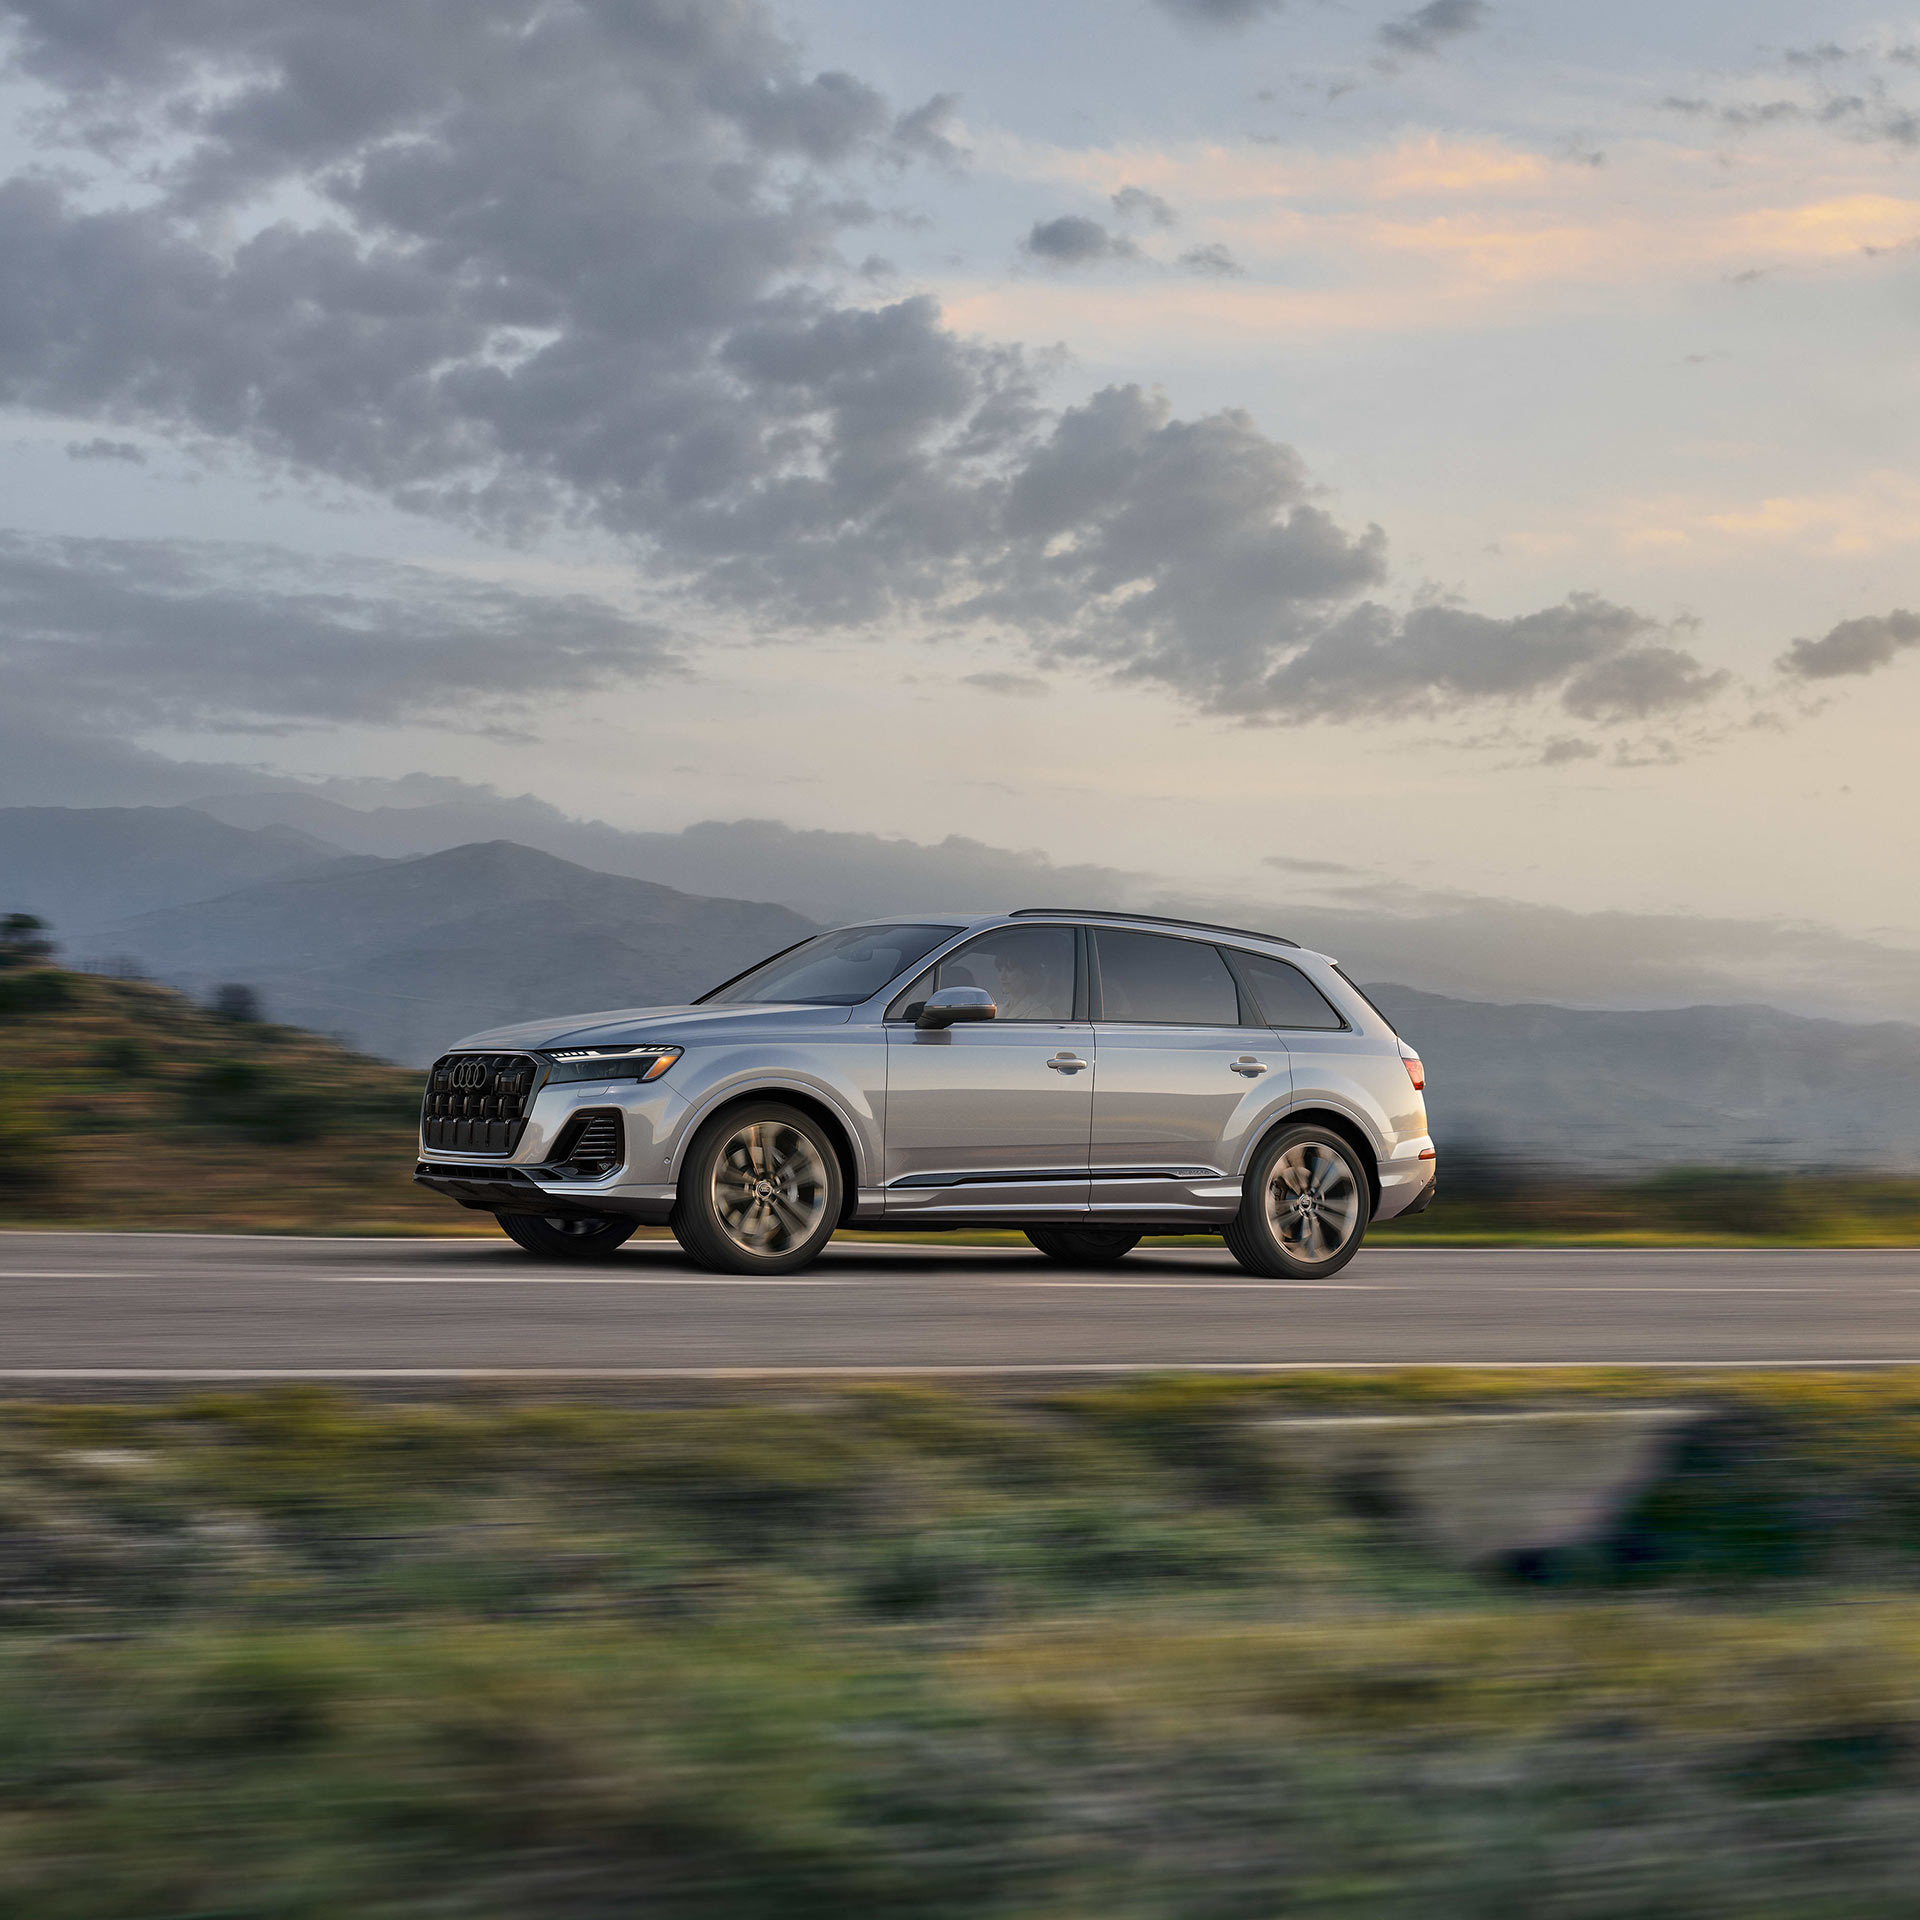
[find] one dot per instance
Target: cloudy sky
(1286, 448)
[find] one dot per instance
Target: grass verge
(898, 1652)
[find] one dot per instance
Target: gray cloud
(1219, 13)
(1588, 653)
(1867, 116)
(1136, 203)
(1429, 28)
(535, 262)
(1638, 682)
(1213, 259)
(1072, 240)
(1565, 748)
(1014, 686)
(128, 633)
(924, 132)
(1177, 550)
(101, 449)
(1854, 646)
(1286, 863)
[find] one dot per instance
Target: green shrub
(257, 1102)
(30, 1142)
(36, 990)
(127, 1057)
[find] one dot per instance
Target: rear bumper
(505, 1189)
(1407, 1181)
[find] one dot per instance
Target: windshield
(833, 969)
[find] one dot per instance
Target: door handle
(1066, 1063)
(1248, 1065)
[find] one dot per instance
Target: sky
(1302, 451)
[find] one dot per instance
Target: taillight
(1415, 1071)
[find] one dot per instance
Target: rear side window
(1151, 978)
(1287, 998)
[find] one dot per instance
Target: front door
(995, 1117)
(1180, 1079)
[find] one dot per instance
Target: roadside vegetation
(124, 1104)
(899, 1653)
(1488, 1201)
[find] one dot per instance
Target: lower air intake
(593, 1145)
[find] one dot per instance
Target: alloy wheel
(770, 1188)
(1312, 1202)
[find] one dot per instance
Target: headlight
(609, 1063)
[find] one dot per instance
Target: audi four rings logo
(470, 1075)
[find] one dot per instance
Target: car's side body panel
(984, 1119)
(1175, 1109)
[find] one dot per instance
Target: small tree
(237, 1003)
(24, 941)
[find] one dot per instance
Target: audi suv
(1085, 1077)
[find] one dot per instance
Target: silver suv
(1085, 1077)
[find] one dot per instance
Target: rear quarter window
(1285, 996)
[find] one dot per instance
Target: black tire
(760, 1191)
(568, 1237)
(1304, 1208)
(1084, 1246)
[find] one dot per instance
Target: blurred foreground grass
(892, 1652)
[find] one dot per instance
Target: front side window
(1027, 970)
(1149, 977)
(833, 969)
(1287, 997)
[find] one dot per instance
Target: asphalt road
(102, 1306)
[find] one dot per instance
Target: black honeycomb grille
(477, 1102)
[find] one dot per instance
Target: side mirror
(955, 1004)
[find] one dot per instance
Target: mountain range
(400, 953)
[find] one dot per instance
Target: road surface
(178, 1307)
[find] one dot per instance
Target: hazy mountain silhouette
(1683, 1086)
(400, 957)
(82, 867)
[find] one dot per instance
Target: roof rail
(1154, 919)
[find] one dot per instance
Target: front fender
(857, 1109)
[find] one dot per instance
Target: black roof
(1153, 919)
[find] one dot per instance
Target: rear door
(1186, 1066)
(995, 1117)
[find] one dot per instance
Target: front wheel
(1084, 1246)
(568, 1236)
(760, 1192)
(1305, 1206)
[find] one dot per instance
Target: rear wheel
(1084, 1246)
(568, 1236)
(1304, 1208)
(760, 1192)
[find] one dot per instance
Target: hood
(638, 1024)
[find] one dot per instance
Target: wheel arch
(1344, 1124)
(838, 1133)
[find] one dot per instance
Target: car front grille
(477, 1102)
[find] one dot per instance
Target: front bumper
(508, 1189)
